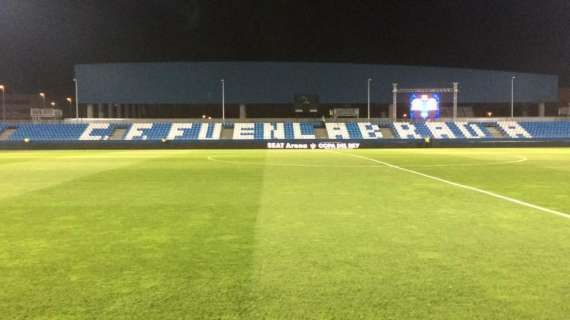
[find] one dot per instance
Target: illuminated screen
(425, 106)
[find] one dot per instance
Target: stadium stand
(288, 130)
(440, 130)
(469, 130)
(49, 132)
(338, 131)
(273, 131)
(354, 131)
(148, 131)
(195, 131)
(555, 130)
(513, 129)
(405, 130)
(174, 131)
(370, 131)
(98, 131)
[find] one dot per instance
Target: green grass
(276, 234)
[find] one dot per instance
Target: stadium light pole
(3, 102)
(369, 83)
(513, 96)
(76, 98)
(223, 99)
(69, 101)
(43, 95)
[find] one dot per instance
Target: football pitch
(255, 234)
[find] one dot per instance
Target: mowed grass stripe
(469, 188)
(541, 180)
(22, 172)
(169, 237)
(391, 245)
(180, 236)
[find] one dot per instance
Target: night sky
(41, 40)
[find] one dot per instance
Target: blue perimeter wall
(277, 83)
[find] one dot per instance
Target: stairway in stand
(118, 134)
(6, 133)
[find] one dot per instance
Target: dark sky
(41, 40)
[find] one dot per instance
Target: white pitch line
(521, 159)
(459, 185)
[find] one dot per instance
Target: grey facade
(277, 83)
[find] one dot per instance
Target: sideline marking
(459, 185)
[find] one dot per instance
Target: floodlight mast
(513, 96)
(76, 98)
(3, 88)
(394, 101)
(369, 82)
(43, 96)
(223, 99)
(455, 92)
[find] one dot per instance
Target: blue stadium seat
(423, 130)
(271, 130)
(158, 131)
(404, 130)
(353, 130)
(288, 130)
(455, 129)
(468, 126)
(541, 129)
(48, 132)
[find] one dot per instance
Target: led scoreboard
(424, 106)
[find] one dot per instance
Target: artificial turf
(284, 235)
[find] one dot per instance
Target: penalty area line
(462, 186)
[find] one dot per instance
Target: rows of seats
(477, 130)
(423, 130)
(469, 130)
(273, 131)
(148, 131)
(350, 130)
(307, 129)
(99, 131)
(353, 130)
(174, 131)
(405, 130)
(441, 130)
(559, 129)
(513, 129)
(49, 132)
(104, 131)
